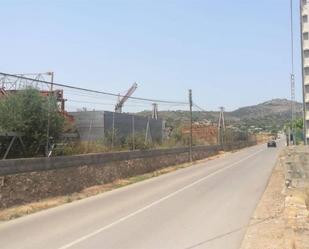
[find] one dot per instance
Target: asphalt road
(207, 205)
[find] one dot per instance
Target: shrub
(28, 112)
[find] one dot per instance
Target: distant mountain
(269, 115)
(277, 107)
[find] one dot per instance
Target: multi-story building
(305, 62)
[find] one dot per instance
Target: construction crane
(124, 98)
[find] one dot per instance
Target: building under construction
(12, 85)
(305, 63)
(91, 125)
(97, 125)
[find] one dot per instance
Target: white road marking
(83, 238)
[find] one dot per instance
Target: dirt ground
(281, 219)
(266, 228)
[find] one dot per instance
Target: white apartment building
(305, 58)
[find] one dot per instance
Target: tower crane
(124, 98)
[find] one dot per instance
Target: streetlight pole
(292, 76)
(191, 104)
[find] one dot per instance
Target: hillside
(273, 107)
(269, 115)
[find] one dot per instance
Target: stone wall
(27, 180)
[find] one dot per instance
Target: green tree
(28, 112)
(297, 125)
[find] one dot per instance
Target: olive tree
(30, 113)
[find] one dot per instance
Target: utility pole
(51, 80)
(48, 112)
(155, 111)
(148, 138)
(113, 130)
(191, 104)
(221, 127)
(133, 133)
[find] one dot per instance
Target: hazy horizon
(230, 54)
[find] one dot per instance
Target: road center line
(83, 238)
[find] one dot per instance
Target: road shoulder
(281, 219)
(266, 226)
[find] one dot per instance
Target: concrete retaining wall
(27, 180)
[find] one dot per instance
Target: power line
(100, 103)
(92, 91)
(88, 97)
(198, 107)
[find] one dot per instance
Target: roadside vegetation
(36, 118)
(297, 125)
(109, 144)
(29, 114)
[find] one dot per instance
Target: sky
(230, 53)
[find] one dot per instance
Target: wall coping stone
(16, 166)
